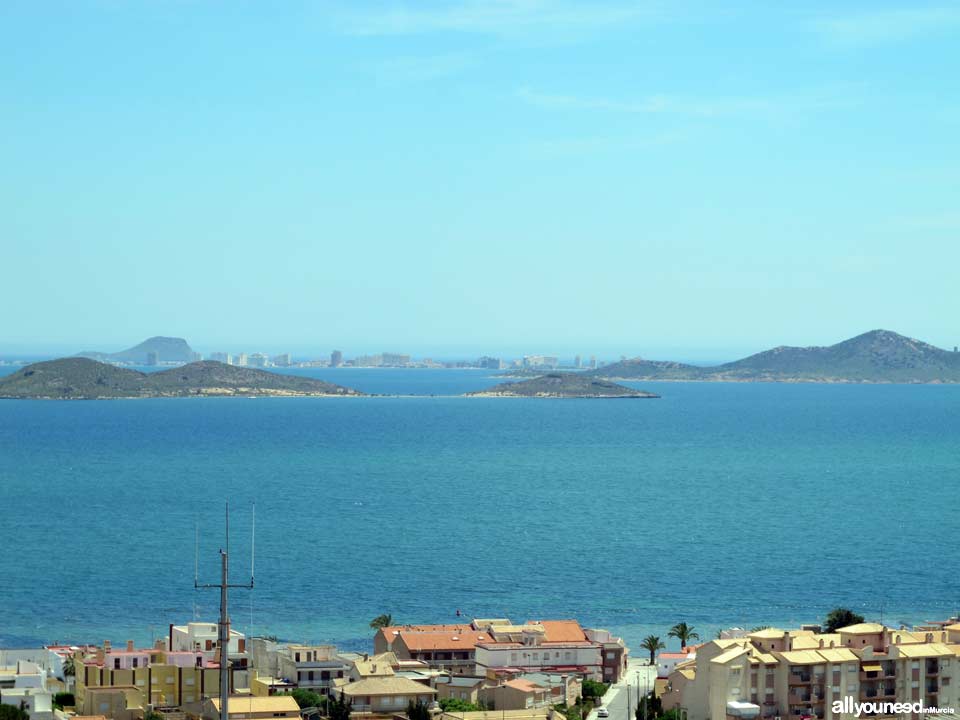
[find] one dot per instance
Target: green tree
(381, 621)
(64, 699)
(70, 667)
(306, 698)
(12, 712)
(457, 705)
(152, 715)
(593, 689)
(684, 633)
(418, 710)
(671, 714)
(652, 643)
(339, 709)
(649, 707)
(841, 617)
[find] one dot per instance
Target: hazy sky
(607, 176)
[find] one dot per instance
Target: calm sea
(719, 504)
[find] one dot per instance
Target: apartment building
(312, 667)
(158, 676)
(24, 685)
(497, 645)
(796, 674)
(443, 647)
(554, 646)
(203, 637)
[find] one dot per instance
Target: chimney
(106, 646)
(129, 645)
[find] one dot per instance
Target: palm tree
(683, 632)
(381, 621)
(69, 667)
(652, 643)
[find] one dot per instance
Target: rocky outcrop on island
(562, 385)
(165, 349)
(878, 356)
(82, 378)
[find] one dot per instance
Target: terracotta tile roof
(386, 686)
(564, 631)
(524, 685)
(460, 638)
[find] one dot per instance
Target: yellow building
(160, 678)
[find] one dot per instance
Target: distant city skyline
(300, 352)
(679, 181)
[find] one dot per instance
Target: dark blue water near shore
(718, 504)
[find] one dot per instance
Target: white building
(25, 685)
(203, 637)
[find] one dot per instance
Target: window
(296, 657)
(116, 663)
(190, 681)
(513, 657)
(309, 677)
(136, 663)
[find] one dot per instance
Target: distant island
(85, 379)
(878, 356)
(156, 349)
(562, 385)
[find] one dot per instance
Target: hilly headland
(85, 379)
(878, 356)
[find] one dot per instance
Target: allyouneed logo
(851, 707)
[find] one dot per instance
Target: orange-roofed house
(554, 646)
(517, 695)
(452, 649)
(383, 640)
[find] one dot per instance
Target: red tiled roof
(461, 638)
(565, 631)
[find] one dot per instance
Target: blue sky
(689, 179)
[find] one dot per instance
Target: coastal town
(488, 668)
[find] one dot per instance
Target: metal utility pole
(223, 633)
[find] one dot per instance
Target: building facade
(803, 674)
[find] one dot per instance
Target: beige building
(384, 695)
(797, 674)
(248, 707)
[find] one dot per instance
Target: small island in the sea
(78, 378)
(562, 385)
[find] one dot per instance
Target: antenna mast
(224, 624)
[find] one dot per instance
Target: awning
(873, 667)
(742, 709)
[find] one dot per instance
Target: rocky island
(84, 379)
(562, 385)
(164, 349)
(878, 356)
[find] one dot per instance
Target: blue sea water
(718, 504)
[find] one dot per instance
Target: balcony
(933, 668)
(799, 679)
(795, 698)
